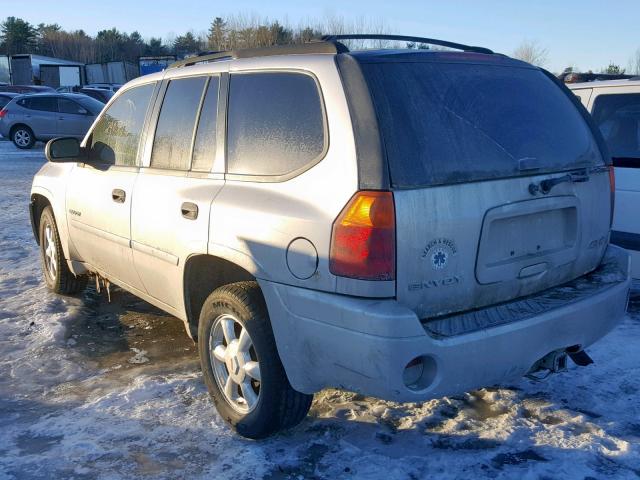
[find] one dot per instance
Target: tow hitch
(556, 362)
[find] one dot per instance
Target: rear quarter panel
(253, 223)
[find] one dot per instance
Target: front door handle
(118, 195)
(189, 210)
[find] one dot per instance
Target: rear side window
(204, 149)
(275, 123)
(444, 122)
(4, 101)
(45, 104)
(618, 117)
(116, 136)
(174, 132)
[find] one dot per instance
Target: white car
(615, 107)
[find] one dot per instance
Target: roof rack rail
(314, 46)
(327, 44)
(405, 38)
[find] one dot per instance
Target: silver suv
(28, 118)
(406, 224)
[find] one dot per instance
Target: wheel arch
(37, 204)
(42, 197)
(202, 275)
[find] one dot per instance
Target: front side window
(275, 123)
(69, 106)
(618, 117)
(174, 132)
(116, 136)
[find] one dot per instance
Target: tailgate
(466, 246)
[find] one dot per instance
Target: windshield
(447, 122)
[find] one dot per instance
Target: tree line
(20, 36)
(228, 33)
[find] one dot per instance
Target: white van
(615, 107)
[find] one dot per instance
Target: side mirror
(65, 149)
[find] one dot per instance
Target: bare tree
(532, 52)
(634, 63)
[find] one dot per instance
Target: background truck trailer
(154, 64)
(61, 75)
(5, 74)
(26, 68)
(111, 72)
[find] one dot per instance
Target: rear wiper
(545, 186)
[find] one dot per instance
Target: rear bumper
(328, 340)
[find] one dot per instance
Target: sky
(587, 34)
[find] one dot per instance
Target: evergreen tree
(217, 38)
(17, 36)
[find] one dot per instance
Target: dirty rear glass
(445, 122)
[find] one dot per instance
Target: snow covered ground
(107, 391)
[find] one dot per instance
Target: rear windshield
(447, 123)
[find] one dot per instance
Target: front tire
(23, 137)
(56, 273)
(241, 365)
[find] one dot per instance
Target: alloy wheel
(235, 364)
(50, 252)
(22, 137)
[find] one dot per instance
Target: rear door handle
(118, 195)
(189, 210)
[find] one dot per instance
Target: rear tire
(56, 273)
(23, 137)
(245, 376)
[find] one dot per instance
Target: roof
(44, 60)
(632, 82)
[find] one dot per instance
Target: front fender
(50, 184)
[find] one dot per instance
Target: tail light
(363, 239)
(3, 112)
(612, 184)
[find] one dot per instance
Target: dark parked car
(113, 87)
(100, 94)
(26, 89)
(28, 118)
